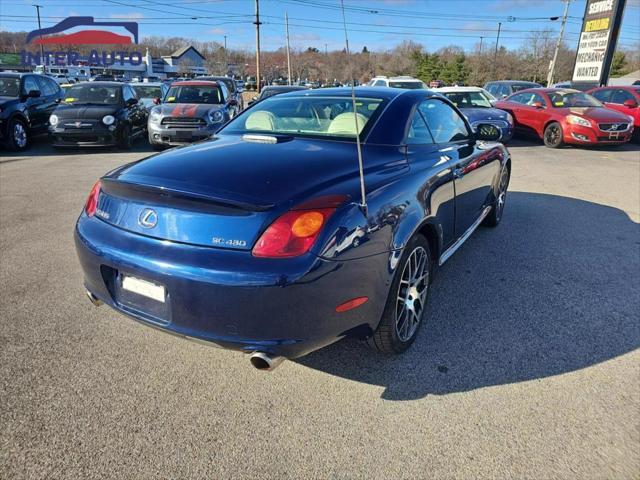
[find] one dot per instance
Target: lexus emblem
(148, 218)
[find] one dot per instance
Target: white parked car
(397, 82)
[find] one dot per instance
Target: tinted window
(568, 99)
(148, 91)
(603, 95)
(502, 91)
(30, 84)
(47, 87)
(620, 95)
(9, 86)
(418, 131)
(407, 85)
(128, 94)
(527, 98)
(491, 88)
(92, 93)
(444, 122)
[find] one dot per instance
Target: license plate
(144, 288)
(183, 135)
(614, 135)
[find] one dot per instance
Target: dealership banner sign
(602, 19)
(83, 31)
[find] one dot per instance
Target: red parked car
(562, 115)
(623, 99)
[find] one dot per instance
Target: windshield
(91, 93)
(469, 99)
(573, 99)
(408, 85)
(9, 86)
(194, 94)
(516, 87)
(313, 116)
(147, 91)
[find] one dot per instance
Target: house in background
(186, 60)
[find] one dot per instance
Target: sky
(376, 24)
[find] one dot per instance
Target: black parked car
(503, 88)
(26, 101)
(237, 102)
(98, 114)
(273, 90)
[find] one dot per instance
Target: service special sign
(598, 38)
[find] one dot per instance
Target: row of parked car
(103, 113)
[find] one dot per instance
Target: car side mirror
(131, 102)
(488, 133)
(156, 101)
(537, 105)
(33, 94)
(631, 103)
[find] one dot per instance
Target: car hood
(85, 112)
(187, 109)
(599, 114)
(258, 174)
(479, 113)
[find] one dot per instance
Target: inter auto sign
(598, 39)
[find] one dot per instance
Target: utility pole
(286, 22)
(326, 52)
(257, 24)
(552, 67)
(226, 57)
(481, 46)
(495, 54)
(38, 7)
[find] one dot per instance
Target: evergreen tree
(618, 65)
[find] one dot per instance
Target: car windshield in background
(314, 116)
(407, 85)
(90, 93)
(573, 99)
(469, 99)
(522, 86)
(147, 91)
(194, 94)
(9, 86)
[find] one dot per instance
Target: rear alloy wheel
(553, 135)
(18, 135)
(494, 217)
(406, 304)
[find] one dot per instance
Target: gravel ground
(528, 366)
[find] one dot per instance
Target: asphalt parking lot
(528, 365)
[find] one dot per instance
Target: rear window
(308, 116)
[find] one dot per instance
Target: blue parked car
(260, 239)
(477, 105)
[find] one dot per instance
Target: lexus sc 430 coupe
(98, 114)
(260, 239)
(191, 110)
(477, 105)
(563, 116)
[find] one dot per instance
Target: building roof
(181, 51)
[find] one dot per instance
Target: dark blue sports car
(477, 105)
(266, 239)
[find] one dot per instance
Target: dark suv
(26, 102)
(236, 101)
(503, 88)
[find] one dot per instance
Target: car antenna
(363, 194)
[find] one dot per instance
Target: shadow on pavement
(552, 290)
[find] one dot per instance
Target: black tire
(553, 135)
(395, 335)
(497, 210)
(125, 141)
(17, 135)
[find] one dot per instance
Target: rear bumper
(229, 298)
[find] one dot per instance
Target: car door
(617, 102)
(533, 113)
(35, 106)
(475, 170)
(423, 152)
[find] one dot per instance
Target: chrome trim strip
(452, 249)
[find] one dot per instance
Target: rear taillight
(294, 233)
(92, 201)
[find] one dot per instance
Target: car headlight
(216, 116)
(509, 118)
(154, 115)
(576, 120)
(108, 119)
(631, 119)
(53, 120)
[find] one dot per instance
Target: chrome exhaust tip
(93, 299)
(264, 361)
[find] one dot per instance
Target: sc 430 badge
(229, 243)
